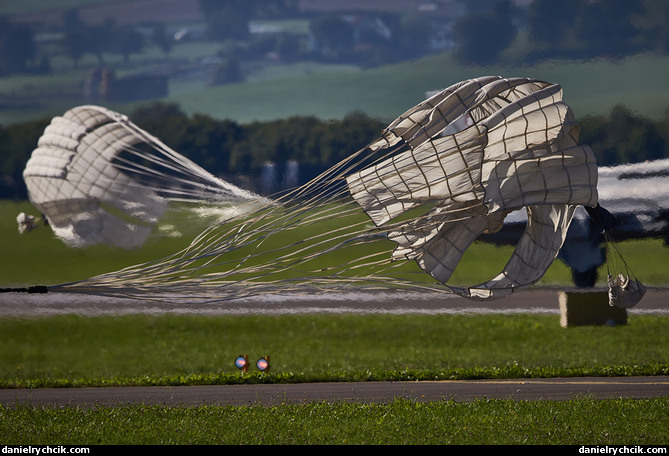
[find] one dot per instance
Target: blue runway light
(242, 363)
(263, 364)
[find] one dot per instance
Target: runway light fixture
(242, 363)
(263, 364)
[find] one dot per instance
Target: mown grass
(73, 351)
(76, 351)
(401, 422)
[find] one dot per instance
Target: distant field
(332, 91)
(385, 92)
(30, 6)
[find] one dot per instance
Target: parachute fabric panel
(98, 178)
(410, 202)
(524, 153)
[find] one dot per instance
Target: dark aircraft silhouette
(636, 195)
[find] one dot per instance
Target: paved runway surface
(537, 300)
(371, 392)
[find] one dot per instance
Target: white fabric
(98, 178)
(509, 144)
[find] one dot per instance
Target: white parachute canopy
(409, 203)
(478, 151)
(99, 178)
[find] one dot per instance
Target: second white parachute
(99, 178)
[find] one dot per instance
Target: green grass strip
(401, 422)
(76, 351)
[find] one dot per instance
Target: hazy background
(347, 66)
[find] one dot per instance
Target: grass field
(75, 351)
(72, 351)
(590, 87)
(485, 422)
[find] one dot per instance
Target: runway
(534, 300)
(369, 392)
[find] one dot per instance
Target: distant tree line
(542, 29)
(17, 47)
(387, 38)
(238, 152)
(565, 29)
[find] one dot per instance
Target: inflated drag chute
(99, 178)
(400, 213)
(475, 152)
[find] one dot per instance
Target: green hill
(591, 87)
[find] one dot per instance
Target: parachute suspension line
(329, 185)
(183, 172)
(615, 262)
(164, 182)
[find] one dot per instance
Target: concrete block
(579, 308)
